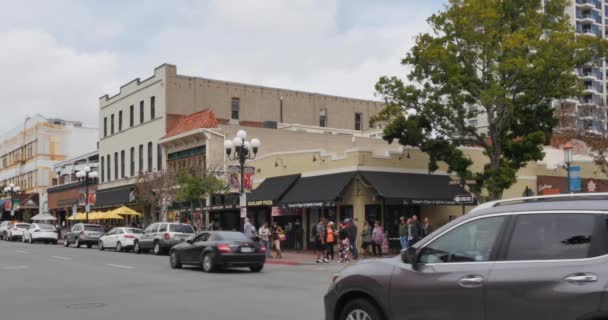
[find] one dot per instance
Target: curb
(284, 263)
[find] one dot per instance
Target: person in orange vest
(331, 240)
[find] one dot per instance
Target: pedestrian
(377, 239)
(297, 228)
(352, 236)
(248, 229)
(366, 238)
(264, 234)
(277, 234)
(416, 230)
(320, 232)
(344, 245)
(426, 227)
(403, 233)
(331, 240)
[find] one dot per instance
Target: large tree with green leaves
(507, 60)
(196, 184)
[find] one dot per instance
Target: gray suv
(528, 258)
(83, 234)
(160, 237)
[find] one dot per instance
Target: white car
(40, 232)
(15, 231)
(4, 229)
(120, 239)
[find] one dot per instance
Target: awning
(414, 189)
(271, 190)
(115, 197)
(318, 191)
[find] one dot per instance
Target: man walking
(248, 229)
(416, 230)
(426, 227)
(264, 234)
(403, 233)
(352, 236)
(321, 232)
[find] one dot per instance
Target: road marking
(120, 266)
(61, 258)
(15, 267)
(21, 251)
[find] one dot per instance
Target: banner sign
(234, 178)
(8, 206)
(575, 179)
(82, 196)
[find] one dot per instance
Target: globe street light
(87, 175)
(243, 150)
(11, 190)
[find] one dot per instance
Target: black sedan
(215, 250)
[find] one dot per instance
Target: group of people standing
(267, 235)
(411, 230)
(327, 235)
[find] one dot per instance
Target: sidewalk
(292, 258)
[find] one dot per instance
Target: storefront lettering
(429, 202)
(260, 203)
(311, 204)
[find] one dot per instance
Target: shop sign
(464, 199)
(429, 202)
(260, 203)
(312, 204)
(278, 211)
(16, 203)
(591, 186)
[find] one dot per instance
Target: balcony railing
(590, 3)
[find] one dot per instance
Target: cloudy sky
(58, 57)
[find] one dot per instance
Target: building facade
(28, 154)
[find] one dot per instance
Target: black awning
(119, 196)
(318, 191)
(416, 189)
(271, 190)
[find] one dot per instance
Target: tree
(505, 60)
(196, 184)
(152, 188)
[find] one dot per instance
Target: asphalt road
(52, 282)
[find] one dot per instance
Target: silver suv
(83, 234)
(527, 258)
(160, 237)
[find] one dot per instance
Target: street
(52, 282)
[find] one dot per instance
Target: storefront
(224, 212)
(548, 185)
(26, 206)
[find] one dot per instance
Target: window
(162, 228)
(323, 118)
(109, 172)
(151, 228)
(152, 108)
(116, 165)
(236, 106)
(131, 116)
(112, 124)
(202, 237)
(183, 228)
(471, 242)
(149, 156)
(122, 164)
(120, 121)
(105, 127)
(358, 121)
(132, 159)
(159, 157)
(141, 111)
(551, 236)
(141, 158)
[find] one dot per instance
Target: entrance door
(346, 212)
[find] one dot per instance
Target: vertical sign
(575, 179)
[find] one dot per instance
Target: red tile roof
(198, 120)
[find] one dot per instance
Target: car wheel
(256, 268)
(100, 246)
(157, 250)
(118, 247)
(136, 247)
(360, 309)
(174, 260)
(66, 243)
(77, 243)
(208, 264)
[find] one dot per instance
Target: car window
(202, 237)
(551, 237)
(93, 228)
(46, 227)
(22, 225)
(135, 231)
(162, 228)
(232, 236)
(470, 242)
(150, 228)
(33, 226)
(119, 231)
(183, 228)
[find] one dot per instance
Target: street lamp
(12, 190)
(243, 150)
(568, 162)
(87, 175)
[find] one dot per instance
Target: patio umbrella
(126, 211)
(110, 215)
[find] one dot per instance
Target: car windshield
(183, 228)
(233, 236)
(46, 227)
(134, 231)
(93, 228)
(22, 226)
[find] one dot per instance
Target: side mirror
(408, 256)
(189, 241)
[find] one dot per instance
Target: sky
(58, 57)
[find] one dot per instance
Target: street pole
(12, 203)
(86, 195)
(569, 186)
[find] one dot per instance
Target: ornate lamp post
(568, 162)
(243, 150)
(11, 190)
(87, 175)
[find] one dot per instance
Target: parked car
(83, 234)
(120, 239)
(528, 258)
(160, 237)
(40, 232)
(219, 249)
(15, 231)
(4, 226)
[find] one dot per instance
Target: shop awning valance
(271, 190)
(414, 189)
(317, 191)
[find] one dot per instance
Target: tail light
(263, 249)
(223, 248)
(129, 236)
(167, 236)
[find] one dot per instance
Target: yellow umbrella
(126, 211)
(109, 216)
(95, 215)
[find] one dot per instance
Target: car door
(147, 238)
(447, 281)
(193, 253)
(109, 239)
(74, 233)
(551, 268)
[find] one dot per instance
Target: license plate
(93, 235)
(246, 249)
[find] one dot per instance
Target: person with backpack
(320, 233)
(377, 239)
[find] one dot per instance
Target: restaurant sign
(311, 204)
(258, 203)
(434, 202)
